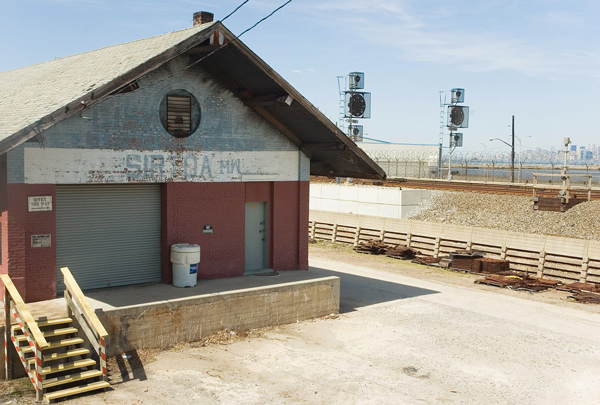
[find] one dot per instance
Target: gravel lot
(510, 213)
(406, 334)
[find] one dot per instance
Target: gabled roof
(36, 97)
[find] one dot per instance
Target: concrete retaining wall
(553, 257)
(190, 319)
(389, 202)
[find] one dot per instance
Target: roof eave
(365, 167)
(94, 96)
(376, 172)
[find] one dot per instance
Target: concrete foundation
(168, 321)
(159, 315)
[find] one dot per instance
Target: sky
(538, 60)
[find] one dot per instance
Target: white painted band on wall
(76, 166)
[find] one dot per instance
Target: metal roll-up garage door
(108, 235)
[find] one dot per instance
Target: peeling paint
(73, 166)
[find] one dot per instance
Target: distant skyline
(537, 60)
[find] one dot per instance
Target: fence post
(436, 247)
(408, 238)
(542, 262)
(103, 359)
(334, 233)
(382, 235)
(584, 270)
(357, 236)
(313, 231)
(39, 377)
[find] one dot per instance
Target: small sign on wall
(40, 203)
(207, 229)
(38, 241)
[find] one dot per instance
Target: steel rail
(471, 186)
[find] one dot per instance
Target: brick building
(109, 157)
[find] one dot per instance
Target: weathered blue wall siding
(131, 121)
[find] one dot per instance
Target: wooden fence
(552, 257)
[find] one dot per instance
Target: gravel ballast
(510, 213)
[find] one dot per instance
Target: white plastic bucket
(185, 258)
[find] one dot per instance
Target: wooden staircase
(68, 368)
(53, 351)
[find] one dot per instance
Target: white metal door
(256, 237)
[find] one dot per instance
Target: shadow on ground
(130, 368)
(358, 291)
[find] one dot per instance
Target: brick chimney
(202, 17)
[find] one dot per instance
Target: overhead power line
(236, 37)
(236, 9)
(263, 19)
(214, 51)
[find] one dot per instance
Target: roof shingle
(28, 94)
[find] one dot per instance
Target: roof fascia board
(299, 98)
(105, 90)
(270, 100)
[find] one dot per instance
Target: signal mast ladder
(52, 351)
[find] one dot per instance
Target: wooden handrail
(77, 294)
(23, 312)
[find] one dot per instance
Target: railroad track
(473, 186)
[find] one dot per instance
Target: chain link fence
(484, 166)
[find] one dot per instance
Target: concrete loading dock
(160, 315)
(156, 316)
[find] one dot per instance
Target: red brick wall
(4, 242)
(186, 207)
(3, 216)
(189, 206)
(303, 214)
(290, 221)
(33, 270)
(259, 191)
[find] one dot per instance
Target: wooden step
(68, 366)
(59, 332)
(76, 390)
(51, 333)
(43, 324)
(59, 356)
(54, 345)
(67, 379)
(48, 322)
(54, 322)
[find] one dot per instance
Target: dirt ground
(406, 333)
(343, 253)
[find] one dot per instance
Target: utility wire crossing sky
(536, 60)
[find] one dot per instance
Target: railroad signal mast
(354, 104)
(457, 117)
